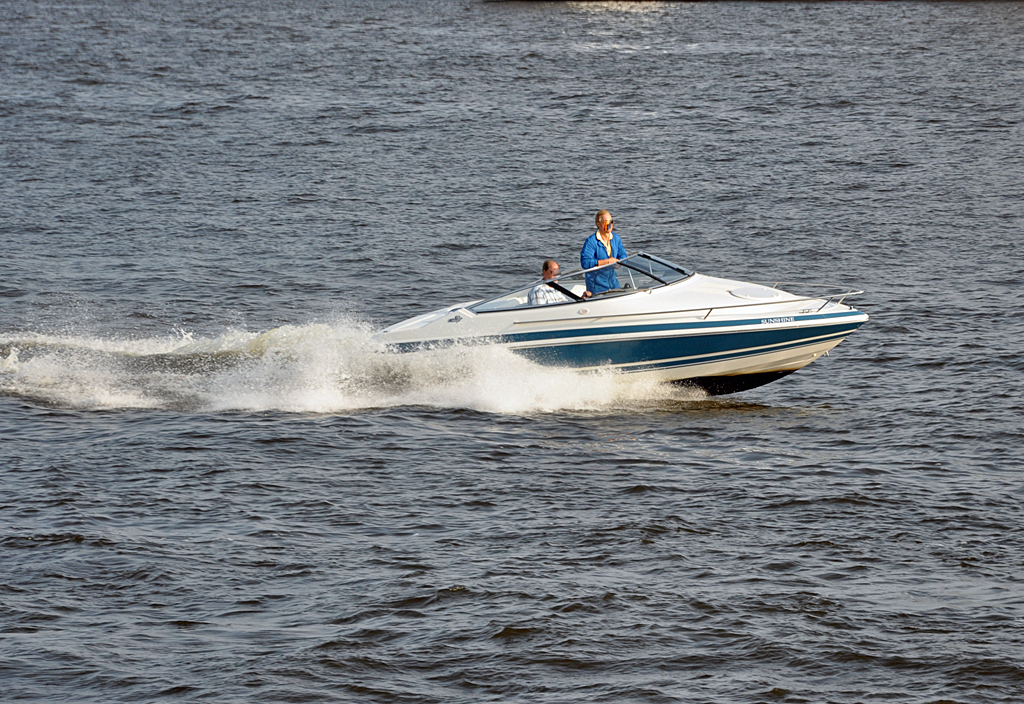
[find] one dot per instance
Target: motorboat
(656, 319)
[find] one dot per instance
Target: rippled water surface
(217, 486)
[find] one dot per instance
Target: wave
(311, 368)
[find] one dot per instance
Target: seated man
(542, 294)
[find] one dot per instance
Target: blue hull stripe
(657, 327)
(665, 352)
(568, 349)
(736, 354)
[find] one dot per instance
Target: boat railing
(833, 298)
(838, 297)
(842, 293)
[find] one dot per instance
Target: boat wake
(313, 368)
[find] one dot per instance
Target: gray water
(217, 486)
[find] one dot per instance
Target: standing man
(602, 247)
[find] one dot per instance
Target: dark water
(215, 486)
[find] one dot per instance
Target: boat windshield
(638, 272)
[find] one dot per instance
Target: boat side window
(641, 272)
(652, 271)
(508, 301)
(520, 298)
(637, 273)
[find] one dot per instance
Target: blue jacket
(593, 251)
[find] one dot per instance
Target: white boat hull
(701, 331)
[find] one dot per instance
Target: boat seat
(510, 302)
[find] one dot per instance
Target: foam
(312, 368)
